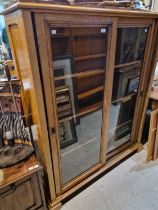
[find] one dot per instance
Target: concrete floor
(133, 185)
(79, 157)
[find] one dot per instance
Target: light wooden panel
(153, 136)
(24, 53)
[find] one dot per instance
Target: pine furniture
(86, 76)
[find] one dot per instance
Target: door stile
(47, 73)
(149, 77)
(139, 103)
(112, 37)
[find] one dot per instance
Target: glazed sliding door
(79, 70)
(73, 59)
(130, 49)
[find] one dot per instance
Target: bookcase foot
(57, 206)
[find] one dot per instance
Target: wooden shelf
(81, 74)
(64, 108)
(90, 92)
(88, 34)
(91, 108)
(84, 111)
(87, 57)
(62, 99)
(128, 64)
(61, 35)
(64, 114)
(125, 98)
(61, 89)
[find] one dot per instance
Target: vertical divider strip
(108, 87)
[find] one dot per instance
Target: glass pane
(131, 44)
(130, 49)
(79, 60)
(78, 157)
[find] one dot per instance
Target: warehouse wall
(155, 5)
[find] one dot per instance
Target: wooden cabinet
(87, 73)
(23, 194)
(22, 187)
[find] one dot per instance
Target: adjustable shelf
(61, 35)
(81, 74)
(86, 35)
(84, 111)
(63, 108)
(128, 64)
(125, 98)
(90, 92)
(87, 57)
(91, 108)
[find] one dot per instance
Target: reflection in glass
(79, 60)
(130, 49)
(82, 155)
(121, 117)
(131, 44)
